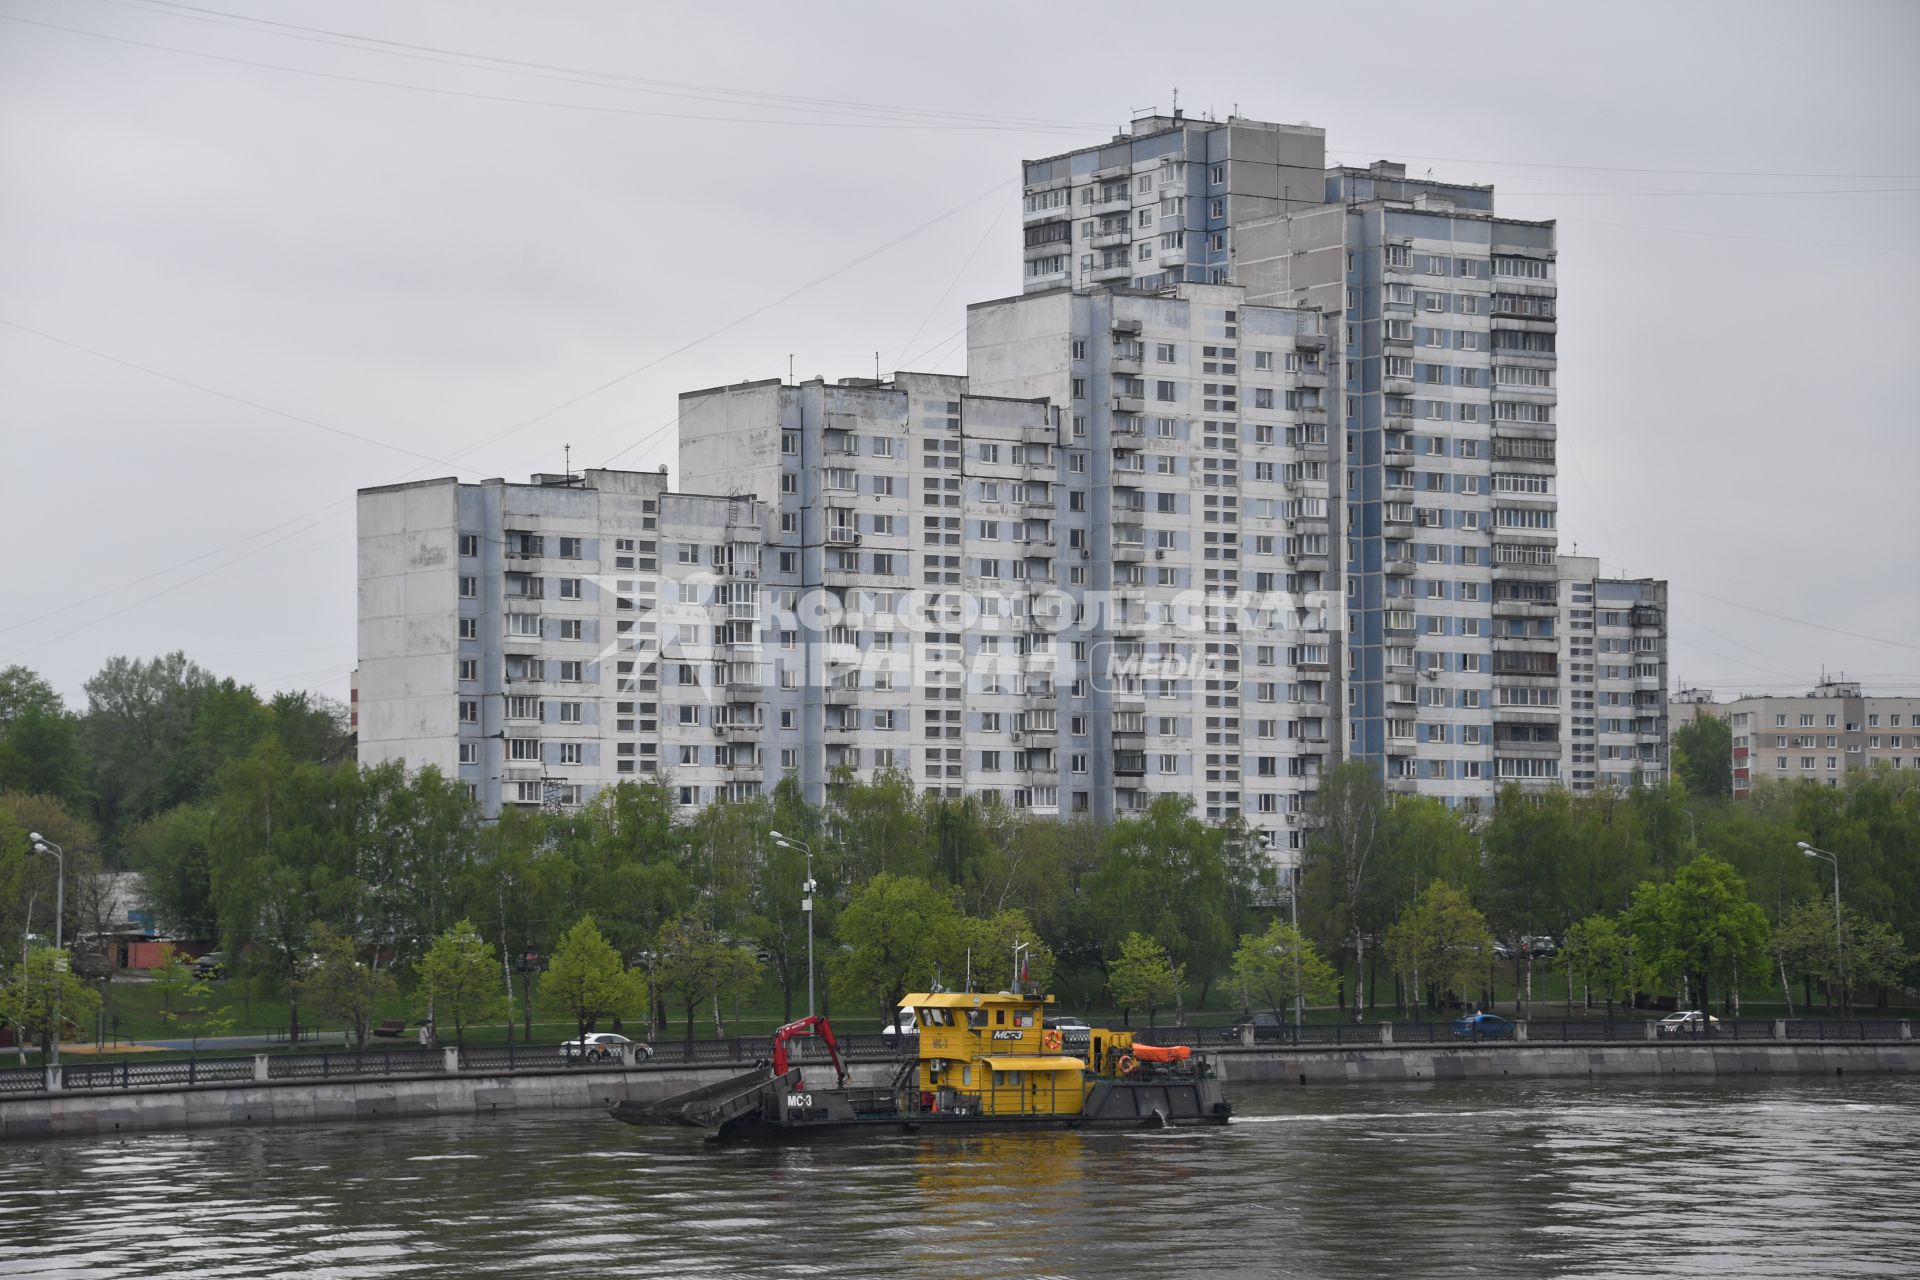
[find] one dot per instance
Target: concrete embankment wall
(1401, 1064)
(299, 1101)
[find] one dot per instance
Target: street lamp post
(806, 902)
(1839, 940)
(43, 845)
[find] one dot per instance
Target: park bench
(393, 1028)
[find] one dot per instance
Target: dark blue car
(1482, 1026)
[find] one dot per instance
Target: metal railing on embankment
(744, 1051)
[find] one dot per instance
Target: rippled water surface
(1781, 1178)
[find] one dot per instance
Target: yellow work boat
(985, 1061)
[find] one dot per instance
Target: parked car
(1482, 1026)
(211, 965)
(1687, 1021)
(1266, 1026)
(1504, 950)
(903, 1024)
(1538, 946)
(602, 1046)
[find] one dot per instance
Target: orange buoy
(1051, 1040)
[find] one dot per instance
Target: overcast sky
(425, 238)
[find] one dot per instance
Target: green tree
(1865, 953)
(44, 751)
(23, 689)
(1165, 876)
(586, 980)
(894, 932)
(459, 977)
(1440, 943)
(139, 716)
(1700, 929)
(1603, 954)
(1143, 976)
(985, 944)
(1279, 965)
(879, 827)
(1340, 880)
(337, 982)
(44, 997)
(701, 965)
(1703, 758)
(171, 853)
(1523, 882)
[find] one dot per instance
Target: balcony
(1112, 238)
(1129, 764)
(843, 536)
(1129, 404)
(1040, 433)
(1400, 568)
(1310, 341)
(839, 695)
(1129, 552)
(1129, 365)
(1113, 271)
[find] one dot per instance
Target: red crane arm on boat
(807, 1027)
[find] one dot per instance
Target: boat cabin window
(976, 1018)
(1023, 1018)
(966, 1075)
(936, 1017)
(1000, 1017)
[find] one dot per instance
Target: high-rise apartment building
(1280, 491)
(1833, 728)
(1439, 473)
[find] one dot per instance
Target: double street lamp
(1839, 942)
(806, 902)
(43, 845)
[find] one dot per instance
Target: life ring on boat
(1126, 1065)
(1050, 1040)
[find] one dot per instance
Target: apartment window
(1163, 390)
(570, 713)
(469, 544)
(469, 711)
(570, 548)
(573, 669)
(469, 628)
(569, 588)
(469, 588)
(469, 669)
(571, 753)
(1217, 175)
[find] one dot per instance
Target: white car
(903, 1024)
(1691, 1021)
(603, 1046)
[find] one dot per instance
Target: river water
(1784, 1177)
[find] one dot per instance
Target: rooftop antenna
(789, 368)
(876, 366)
(1176, 100)
(567, 453)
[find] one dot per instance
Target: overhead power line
(597, 108)
(585, 75)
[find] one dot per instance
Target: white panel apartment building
(539, 641)
(1169, 535)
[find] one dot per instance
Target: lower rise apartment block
(1819, 736)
